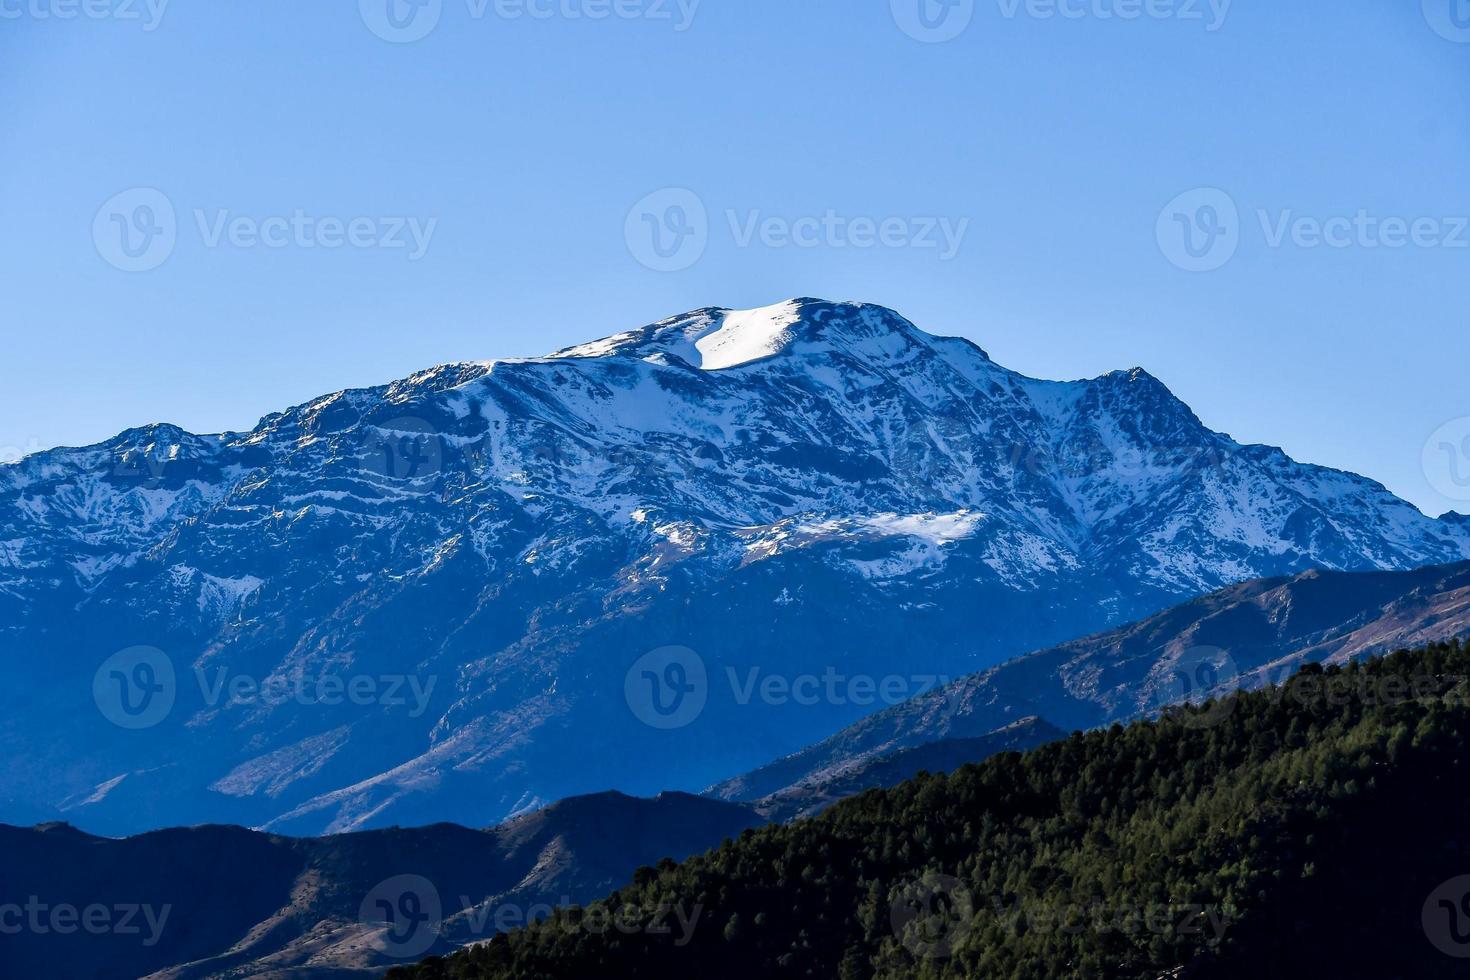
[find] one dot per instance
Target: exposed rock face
(1246, 636)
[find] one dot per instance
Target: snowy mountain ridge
(598, 404)
(807, 484)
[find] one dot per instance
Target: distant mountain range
(1246, 636)
(431, 600)
(227, 902)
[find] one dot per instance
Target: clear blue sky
(529, 140)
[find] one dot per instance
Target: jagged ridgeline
(1316, 829)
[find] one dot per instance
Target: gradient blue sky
(529, 140)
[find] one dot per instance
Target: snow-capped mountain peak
(711, 339)
(717, 339)
(813, 485)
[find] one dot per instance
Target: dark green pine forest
(1303, 831)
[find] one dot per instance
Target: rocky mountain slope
(211, 901)
(429, 600)
(1246, 636)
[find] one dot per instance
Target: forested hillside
(1315, 829)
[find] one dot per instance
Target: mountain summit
(716, 339)
(488, 551)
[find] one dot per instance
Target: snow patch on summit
(711, 340)
(747, 335)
